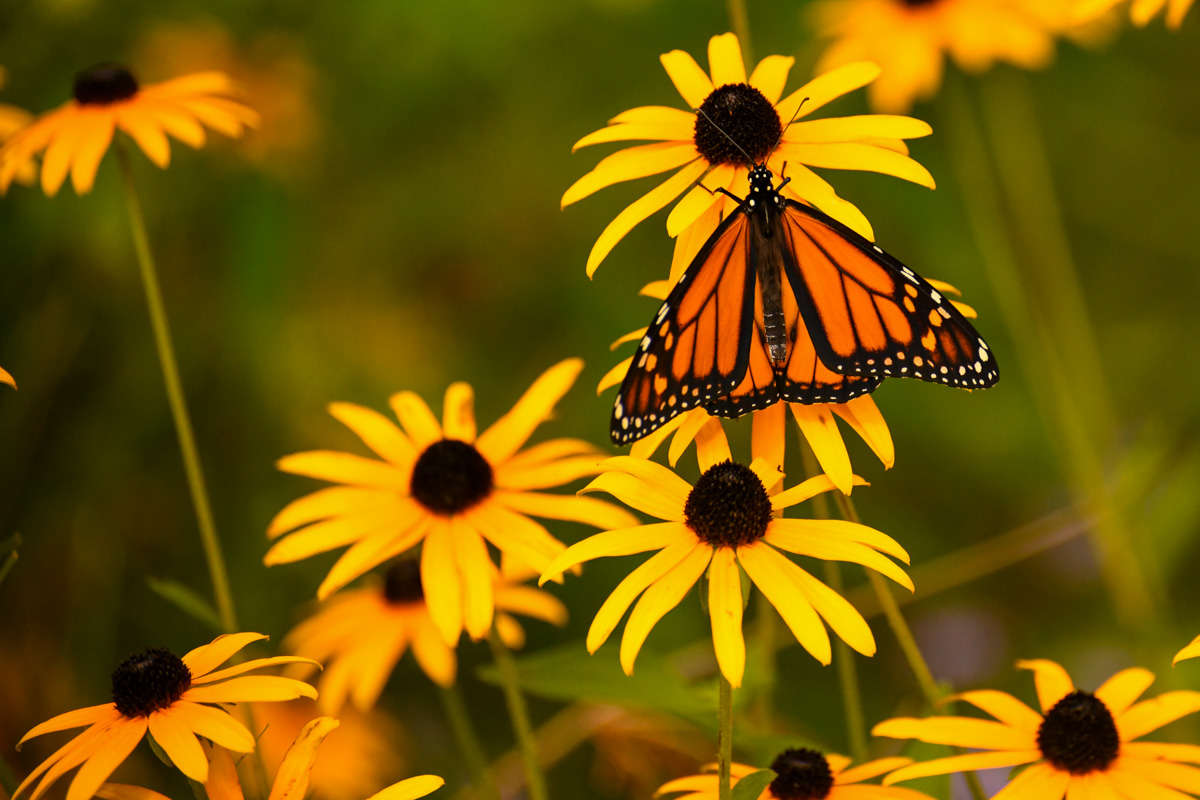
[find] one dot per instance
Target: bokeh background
(395, 224)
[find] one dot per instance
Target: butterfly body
(785, 303)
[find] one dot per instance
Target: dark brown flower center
(1079, 735)
(801, 774)
(728, 507)
(148, 681)
(736, 124)
(403, 583)
(918, 3)
(450, 477)
(104, 84)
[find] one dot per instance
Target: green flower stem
(8, 781)
(739, 20)
(1064, 404)
(183, 424)
(468, 743)
(519, 712)
(724, 737)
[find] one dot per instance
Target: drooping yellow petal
(436, 660)
(845, 531)
(959, 732)
(856, 129)
(836, 610)
(691, 81)
(1121, 690)
(827, 87)
(864, 772)
(770, 76)
(441, 581)
(828, 548)
(637, 494)
(762, 565)
(410, 789)
(69, 756)
(1150, 715)
(655, 475)
(106, 712)
(207, 657)
(368, 553)
(712, 447)
(330, 534)
(1052, 681)
(725, 610)
(250, 689)
(1039, 782)
(620, 542)
(952, 764)
(377, 432)
(179, 743)
(507, 434)
(863, 416)
(767, 434)
(617, 374)
(212, 723)
(1004, 707)
(689, 243)
(631, 586)
(691, 423)
(239, 669)
(1191, 651)
(475, 569)
(807, 490)
(56, 163)
(819, 427)
(516, 534)
(334, 501)
(629, 164)
(458, 412)
(95, 135)
(700, 199)
(808, 187)
(330, 465)
(120, 741)
(660, 598)
(291, 781)
(575, 508)
(417, 420)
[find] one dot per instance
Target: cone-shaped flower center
(451, 476)
(728, 506)
(1079, 735)
(801, 774)
(148, 681)
(104, 84)
(737, 112)
(403, 583)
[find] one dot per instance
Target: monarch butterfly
(785, 302)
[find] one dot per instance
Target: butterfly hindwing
(869, 315)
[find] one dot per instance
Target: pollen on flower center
(801, 774)
(403, 583)
(104, 84)
(450, 477)
(1079, 735)
(728, 506)
(148, 681)
(737, 112)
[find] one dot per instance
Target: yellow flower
(175, 700)
(1140, 11)
(803, 774)
(908, 39)
(76, 135)
(6, 378)
(1081, 744)
(442, 485)
(13, 119)
(748, 111)
(1191, 651)
(722, 523)
(360, 635)
(291, 781)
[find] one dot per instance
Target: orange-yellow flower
(744, 120)
(445, 487)
(13, 119)
(175, 699)
(1080, 745)
(76, 135)
(1140, 11)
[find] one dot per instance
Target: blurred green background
(396, 225)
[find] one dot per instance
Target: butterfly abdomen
(769, 265)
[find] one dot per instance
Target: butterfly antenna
(779, 141)
(726, 135)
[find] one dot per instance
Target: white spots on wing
(662, 313)
(937, 298)
(878, 249)
(983, 355)
(945, 314)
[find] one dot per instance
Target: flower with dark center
(728, 506)
(175, 700)
(104, 84)
(737, 124)
(1080, 745)
(148, 681)
(1079, 735)
(450, 477)
(801, 774)
(722, 526)
(402, 584)
(447, 488)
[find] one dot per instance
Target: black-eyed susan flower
(173, 698)
(361, 634)
(909, 40)
(719, 527)
(803, 774)
(445, 487)
(76, 135)
(1081, 744)
(734, 119)
(1140, 11)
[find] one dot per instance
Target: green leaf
(186, 601)
(751, 786)
(568, 673)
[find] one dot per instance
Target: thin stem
(468, 743)
(8, 781)
(183, 424)
(739, 20)
(724, 737)
(519, 712)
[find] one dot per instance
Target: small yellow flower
(910, 38)
(173, 698)
(360, 635)
(1080, 745)
(749, 111)
(803, 774)
(448, 488)
(1140, 11)
(76, 135)
(721, 526)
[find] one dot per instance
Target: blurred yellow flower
(1140, 11)
(1080, 745)
(6, 378)
(76, 135)
(360, 635)
(1191, 651)
(803, 774)
(910, 38)
(735, 119)
(173, 698)
(722, 526)
(443, 486)
(13, 119)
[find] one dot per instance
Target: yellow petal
(205, 658)
(1191, 651)
(842, 617)
(1053, 682)
(700, 199)
(1004, 707)
(637, 494)
(764, 567)
(712, 447)
(530, 602)
(871, 769)
(506, 436)
(622, 542)
(827, 87)
(632, 585)
(516, 535)
(725, 60)
(770, 76)
(829, 548)
(691, 423)
(475, 569)
(238, 669)
(807, 490)
(93, 142)
(458, 412)
(959, 732)
(654, 475)
(146, 130)
(768, 474)
(6, 378)
(214, 724)
(665, 124)
(629, 164)
(410, 789)
(122, 739)
(331, 534)
(617, 374)
(660, 598)
(863, 416)
(59, 154)
(368, 553)
(415, 417)
(123, 791)
(72, 719)
(441, 582)
(1121, 690)
(250, 689)
(436, 660)
(808, 187)
(689, 243)
(335, 501)
(291, 781)
(329, 465)
(689, 79)
(575, 508)
(377, 432)
(725, 610)
(1150, 715)
(857, 129)
(179, 743)
(767, 435)
(852, 155)
(971, 761)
